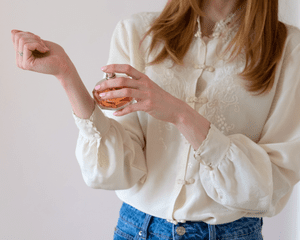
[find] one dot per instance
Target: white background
(42, 193)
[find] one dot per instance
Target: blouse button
(203, 66)
(197, 158)
(211, 69)
(191, 181)
(180, 181)
(208, 167)
(180, 231)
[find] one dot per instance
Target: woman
(212, 144)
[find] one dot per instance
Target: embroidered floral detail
(176, 85)
(161, 124)
(171, 78)
(222, 94)
(222, 125)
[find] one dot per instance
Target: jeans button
(180, 231)
(140, 233)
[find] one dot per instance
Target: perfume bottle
(115, 103)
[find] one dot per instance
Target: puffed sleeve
(258, 178)
(109, 149)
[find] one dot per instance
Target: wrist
(68, 74)
(185, 113)
(193, 126)
(67, 70)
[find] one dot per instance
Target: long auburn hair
(261, 36)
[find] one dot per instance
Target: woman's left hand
(150, 97)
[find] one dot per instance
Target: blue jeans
(136, 225)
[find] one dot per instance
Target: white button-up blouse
(250, 160)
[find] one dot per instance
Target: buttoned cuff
(94, 127)
(213, 149)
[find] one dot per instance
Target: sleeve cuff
(94, 127)
(213, 149)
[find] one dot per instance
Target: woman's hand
(35, 54)
(150, 97)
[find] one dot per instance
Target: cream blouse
(250, 160)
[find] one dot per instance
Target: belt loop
(212, 232)
(143, 233)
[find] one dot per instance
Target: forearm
(193, 126)
(81, 101)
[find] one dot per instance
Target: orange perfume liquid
(111, 104)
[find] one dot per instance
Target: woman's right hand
(40, 56)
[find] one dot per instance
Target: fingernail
(97, 87)
(104, 68)
(102, 94)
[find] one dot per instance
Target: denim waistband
(147, 225)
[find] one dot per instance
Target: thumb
(37, 46)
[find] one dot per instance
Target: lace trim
(88, 123)
(220, 27)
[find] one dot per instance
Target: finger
(13, 33)
(18, 50)
(32, 45)
(123, 68)
(28, 48)
(26, 58)
(129, 109)
(124, 92)
(15, 43)
(119, 82)
(45, 46)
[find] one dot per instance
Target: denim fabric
(136, 225)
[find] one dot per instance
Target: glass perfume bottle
(115, 103)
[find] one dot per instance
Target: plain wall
(42, 193)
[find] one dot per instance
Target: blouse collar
(219, 28)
